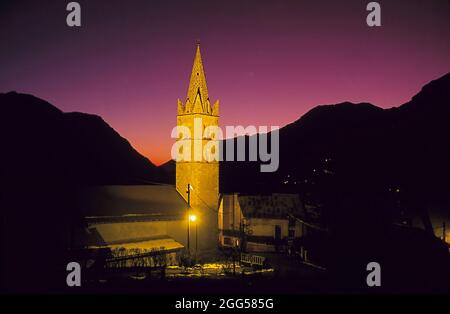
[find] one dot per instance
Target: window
(227, 241)
(277, 232)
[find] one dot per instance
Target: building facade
(266, 223)
(261, 221)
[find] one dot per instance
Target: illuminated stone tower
(197, 114)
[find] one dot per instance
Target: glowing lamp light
(192, 218)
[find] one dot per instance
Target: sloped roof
(271, 205)
(133, 202)
(147, 245)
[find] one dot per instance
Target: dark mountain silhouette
(43, 144)
(401, 147)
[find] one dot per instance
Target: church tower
(201, 173)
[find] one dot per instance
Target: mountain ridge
(385, 138)
(370, 121)
(67, 146)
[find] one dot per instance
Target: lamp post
(193, 218)
(188, 216)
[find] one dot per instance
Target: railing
(252, 259)
(142, 255)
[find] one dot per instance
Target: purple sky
(267, 61)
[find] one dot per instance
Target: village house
(266, 223)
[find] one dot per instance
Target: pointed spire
(197, 85)
(197, 100)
